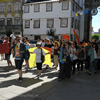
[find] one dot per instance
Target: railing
(4, 27)
(2, 11)
(19, 11)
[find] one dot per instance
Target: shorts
(18, 64)
(7, 56)
(39, 66)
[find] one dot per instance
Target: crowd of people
(70, 56)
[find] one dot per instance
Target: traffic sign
(94, 12)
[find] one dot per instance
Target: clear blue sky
(96, 21)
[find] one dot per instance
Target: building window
(17, 21)
(2, 21)
(49, 7)
(64, 22)
(9, 8)
(2, 9)
(36, 8)
(9, 21)
(36, 23)
(50, 23)
(73, 7)
(27, 23)
(17, 7)
(72, 22)
(65, 5)
(26, 9)
(75, 23)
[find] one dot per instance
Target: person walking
(93, 56)
(74, 55)
(19, 55)
(39, 52)
(27, 54)
(56, 53)
(81, 57)
(64, 57)
(87, 61)
(7, 56)
(48, 46)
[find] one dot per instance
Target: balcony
(10, 27)
(9, 11)
(2, 12)
(19, 11)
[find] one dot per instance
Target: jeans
(93, 64)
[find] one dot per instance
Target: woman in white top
(38, 58)
(74, 55)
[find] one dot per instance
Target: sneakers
(19, 79)
(38, 77)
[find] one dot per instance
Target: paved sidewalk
(79, 87)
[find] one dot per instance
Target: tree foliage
(96, 36)
(51, 32)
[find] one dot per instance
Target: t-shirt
(49, 46)
(74, 56)
(81, 54)
(38, 55)
(95, 54)
(17, 49)
(56, 51)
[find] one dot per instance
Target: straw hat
(56, 42)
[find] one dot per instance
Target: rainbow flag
(76, 38)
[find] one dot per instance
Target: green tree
(96, 36)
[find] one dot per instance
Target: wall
(56, 14)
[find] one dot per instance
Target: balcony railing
(2, 11)
(9, 11)
(15, 27)
(19, 11)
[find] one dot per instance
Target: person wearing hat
(38, 53)
(56, 53)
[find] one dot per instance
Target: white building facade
(38, 17)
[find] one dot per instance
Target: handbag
(42, 56)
